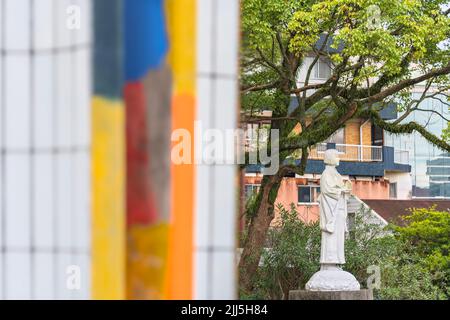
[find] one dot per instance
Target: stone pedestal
(333, 279)
(364, 294)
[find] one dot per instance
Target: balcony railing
(350, 152)
(347, 152)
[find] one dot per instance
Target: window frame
(391, 184)
(316, 69)
(310, 187)
(255, 186)
(336, 134)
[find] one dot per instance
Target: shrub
(427, 233)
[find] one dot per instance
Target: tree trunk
(257, 232)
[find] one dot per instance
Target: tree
(376, 60)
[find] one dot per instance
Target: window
(322, 69)
(308, 194)
(250, 190)
(337, 137)
(393, 190)
(256, 135)
(377, 136)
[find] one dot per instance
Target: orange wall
(288, 194)
(371, 189)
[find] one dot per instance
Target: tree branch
(260, 87)
(406, 128)
(404, 84)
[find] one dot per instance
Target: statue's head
(331, 157)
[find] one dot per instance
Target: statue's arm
(333, 191)
(333, 186)
(343, 186)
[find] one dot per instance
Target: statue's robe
(333, 216)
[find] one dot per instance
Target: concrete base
(364, 294)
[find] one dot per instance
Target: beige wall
(404, 183)
(353, 132)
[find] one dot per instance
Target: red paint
(140, 205)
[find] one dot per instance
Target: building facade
(375, 170)
(380, 165)
(430, 166)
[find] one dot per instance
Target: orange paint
(181, 27)
(180, 282)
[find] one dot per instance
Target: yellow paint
(147, 261)
(181, 16)
(108, 194)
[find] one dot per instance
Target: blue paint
(108, 48)
(146, 42)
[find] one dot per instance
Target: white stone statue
(333, 224)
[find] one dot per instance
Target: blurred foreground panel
(45, 93)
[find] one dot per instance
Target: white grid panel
(45, 90)
(217, 84)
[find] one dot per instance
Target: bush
(292, 257)
(427, 233)
(403, 278)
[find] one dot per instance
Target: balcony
(359, 153)
(360, 160)
(401, 156)
(356, 160)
